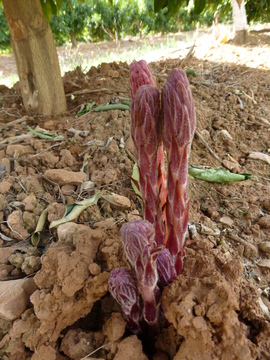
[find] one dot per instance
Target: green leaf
(199, 5)
(35, 238)
(217, 175)
(74, 210)
(47, 9)
(45, 135)
(160, 4)
(174, 6)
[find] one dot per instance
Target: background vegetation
(98, 20)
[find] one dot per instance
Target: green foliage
(258, 10)
(4, 31)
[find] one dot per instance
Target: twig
(17, 121)
(49, 148)
(99, 348)
(188, 56)
(207, 146)
(88, 91)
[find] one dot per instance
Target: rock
(30, 202)
(266, 204)
(5, 186)
(67, 159)
(129, 145)
(94, 269)
(113, 73)
(104, 224)
(5, 254)
(226, 220)
(20, 149)
(77, 344)
(265, 246)
(118, 202)
(234, 167)
(5, 270)
(130, 349)
(48, 159)
(33, 184)
(6, 162)
(14, 297)
(133, 215)
(265, 263)
(68, 190)
(264, 221)
(16, 225)
(64, 177)
(114, 327)
(31, 264)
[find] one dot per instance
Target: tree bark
(240, 22)
(36, 57)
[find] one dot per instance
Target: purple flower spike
(146, 273)
(165, 268)
(179, 123)
(140, 74)
(136, 236)
(146, 136)
(123, 288)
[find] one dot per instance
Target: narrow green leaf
(199, 5)
(217, 175)
(74, 210)
(159, 5)
(35, 238)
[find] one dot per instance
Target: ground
(54, 301)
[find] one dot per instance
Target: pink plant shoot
(123, 287)
(140, 74)
(179, 121)
(146, 136)
(155, 246)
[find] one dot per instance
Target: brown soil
(218, 308)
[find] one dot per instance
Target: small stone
(16, 225)
(105, 224)
(94, 269)
(5, 186)
(6, 162)
(5, 254)
(30, 202)
(265, 263)
(113, 73)
(16, 260)
(14, 297)
(234, 167)
(68, 190)
(266, 204)
(64, 177)
(265, 246)
(5, 270)
(115, 326)
(133, 215)
(20, 149)
(264, 221)
(226, 220)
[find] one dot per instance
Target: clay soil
(218, 308)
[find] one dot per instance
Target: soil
(219, 307)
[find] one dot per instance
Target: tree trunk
(240, 22)
(73, 40)
(36, 57)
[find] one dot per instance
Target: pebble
(64, 177)
(105, 224)
(5, 186)
(21, 149)
(226, 220)
(265, 263)
(265, 246)
(14, 297)
(264, 222)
